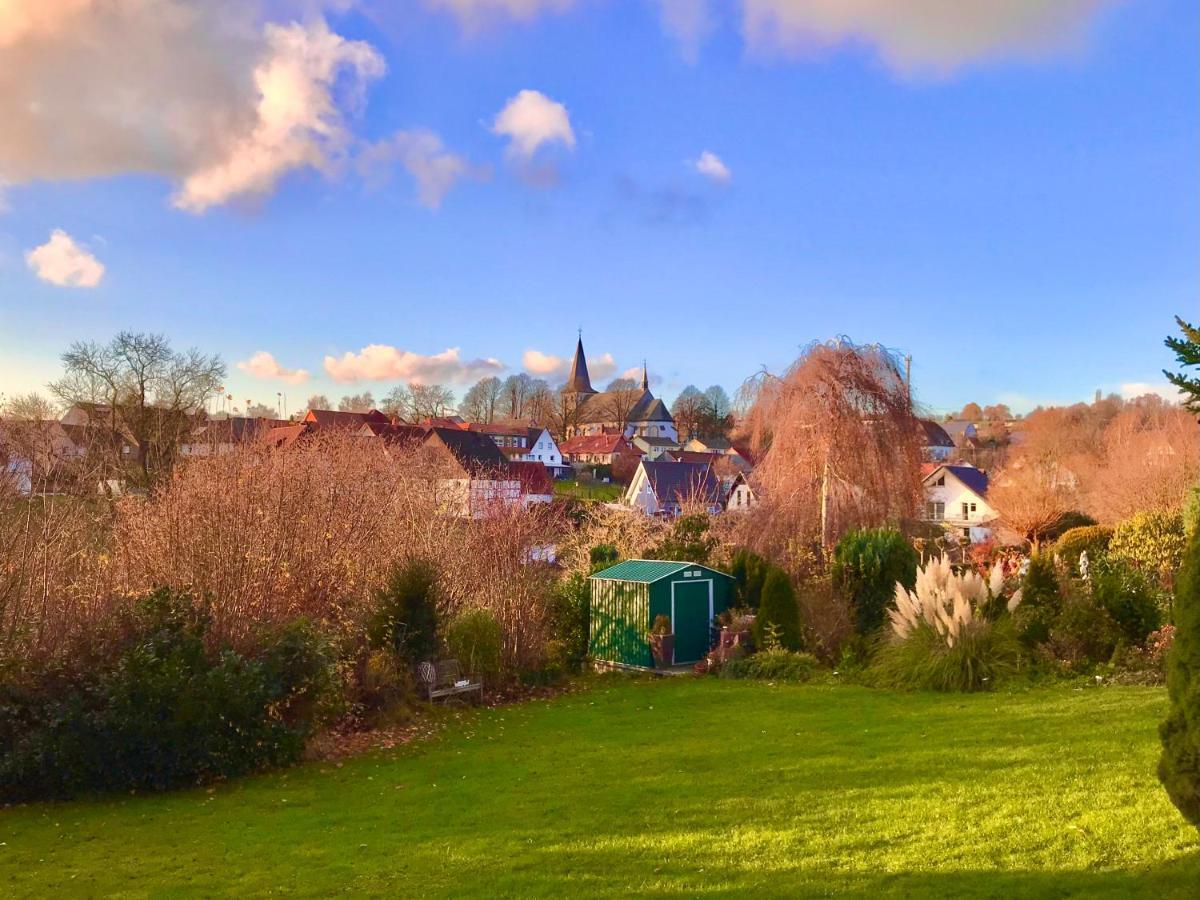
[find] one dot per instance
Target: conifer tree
(778, 612)
(1179, 766)
(1187, 351)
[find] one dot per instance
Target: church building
(632, 412)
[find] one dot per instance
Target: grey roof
(655, 441)
(935, 434)
(577, 379)
(602, 408)
(959, 429)
(678, 482)
(474, 451)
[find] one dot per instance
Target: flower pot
(662, 648)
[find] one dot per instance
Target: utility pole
(908, 376)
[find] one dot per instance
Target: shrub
(1040, 602)
(570, 620)
(1153, 541)
(1092, 539)
(867, 565)
(164, 712)
(404, 620)
(688, 540)
(603, 555)
(778, 613)
(1179, 766)
(941, 638)
(1082, 633)
(827, 620)
(749, 571)
(473, 638)
(772, 665)
(1128, 596)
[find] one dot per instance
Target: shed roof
(649, 570)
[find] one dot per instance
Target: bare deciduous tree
(839, 447)
(481, 400)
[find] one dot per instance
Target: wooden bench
(441, 679)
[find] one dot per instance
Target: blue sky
(1015, 202)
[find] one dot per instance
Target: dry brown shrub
(267, 535)
(632, 534)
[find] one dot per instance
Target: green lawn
(677, 787)
(589, 490)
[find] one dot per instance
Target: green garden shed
(627, 597)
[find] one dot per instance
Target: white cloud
(635, 373)
(689, 22)
(1164, 389)
(547, 364)
(65, 263)
(434, 168)
(530, 120)
(381, 362)
(917, 34)
(601, 366)
(264, 365)
(298, 123)
(475, 14)
(203, 94)
(711, 166)
(538, 363)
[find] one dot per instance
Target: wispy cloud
(65, 263)
(382, 362)
(264, 365)
(474, 15)
(433, 168)
(918, 34)
(1164, 389)
(666, 205)
(548, 365)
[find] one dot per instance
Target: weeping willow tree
(838, 444)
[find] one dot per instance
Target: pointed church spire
(645, 377)
(578, 381)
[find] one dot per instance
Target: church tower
(579, 386)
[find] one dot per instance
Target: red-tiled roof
(534, 477)
(595, 443)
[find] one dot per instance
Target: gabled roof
(935, 434)
(648, 571)
(973, 478)
(578, 380)
(285, 435)
(603, 407)
(650, 441)
(475, 452)
(534, 477)
(393, 432)
(679, 482)
(595, 443)
(334, 418)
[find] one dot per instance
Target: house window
(966, 510)
(972, 507)
(935, 510)
(941, 482)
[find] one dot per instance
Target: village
(555, 448)
(623, 440)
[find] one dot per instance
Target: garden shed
(627, 597)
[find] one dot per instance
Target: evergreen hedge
(867, 564)
(778, 612)
(1179, 766)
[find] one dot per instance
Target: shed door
(691, 612)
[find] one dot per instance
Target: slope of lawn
(673, 787)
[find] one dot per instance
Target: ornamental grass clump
(952, 632)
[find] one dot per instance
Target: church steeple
(578, 381)
(645, 377)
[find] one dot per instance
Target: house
(477, 477)
(936, 443)
(393, 433)
(537, 484)
(956, 498)
(285, 435)
(629, 412)
(523, 442)
(709, 445)
(739, 496)
(336, 418)
(598, 449)
(219, 436)
(654, 447)
(664, 488)
(628, 597)
(962, 432)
